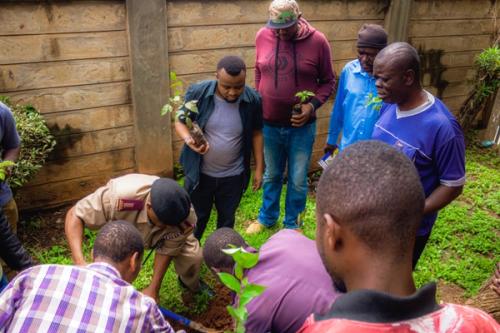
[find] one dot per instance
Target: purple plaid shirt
(56, 298)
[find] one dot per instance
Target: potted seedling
(185, 112)
(303, 96)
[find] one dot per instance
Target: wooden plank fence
(98, 70)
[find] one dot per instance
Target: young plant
(4, 165)
(304, 96)
(244, 290)
(375, 101)
(486, 82)
(185, 112)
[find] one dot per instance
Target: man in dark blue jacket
(218, 172)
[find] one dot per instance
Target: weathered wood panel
(453, 44)
(87, 120)
(452, 9)
(451, 27)
(70, 60)
(83, 166)
(78, 144)
(205, 61)
(41, 48)
(76, 97)
(191, 13)
(63, 73)
(449, 35)
(58, 193)
(63, 16)
(225, 36)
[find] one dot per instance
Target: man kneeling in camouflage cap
(162, 212)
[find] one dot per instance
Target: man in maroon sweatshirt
(291, 56)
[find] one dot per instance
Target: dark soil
(197, 135)
(216, 316)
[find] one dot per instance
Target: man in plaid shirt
(93, 298)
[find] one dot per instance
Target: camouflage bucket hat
(283, 14)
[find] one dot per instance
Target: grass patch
(462, 250)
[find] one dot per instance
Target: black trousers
(224, 192)
(420, 243)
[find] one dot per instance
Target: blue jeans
(282, 145)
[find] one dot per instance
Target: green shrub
(36, 143)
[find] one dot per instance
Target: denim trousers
(223, 192)
(284, 146)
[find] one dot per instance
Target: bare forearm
(11, 154)
(182, 130)
(441, 197)
(73, 228)
(258, 150)
(160, 266)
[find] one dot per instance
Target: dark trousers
(420, 243)
(224, 192)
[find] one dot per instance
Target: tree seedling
(185, 112)
(244, 290)
(4, 165)
(304, 96)
(375, 101)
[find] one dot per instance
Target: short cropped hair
(233, 65)
(117, 240)
(404, 56)
(375, 191)
(221, 239)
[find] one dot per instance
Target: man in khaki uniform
(159, 208)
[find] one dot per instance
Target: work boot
(255, 228)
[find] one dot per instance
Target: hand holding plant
(302, 111)
(5, 169)
(185, 113)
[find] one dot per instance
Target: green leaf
(253, 290)
(166, 109)
(191, 106)
(246, 259)
(230, 281)
(173, 76)
(237, 313)
(238, 271)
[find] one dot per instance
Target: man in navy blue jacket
(218, 172)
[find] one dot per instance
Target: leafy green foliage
(184, 111)
(37, 143)
(304, 95)
(375, 101)
(486, 82)
(4, 165)
(244, 290)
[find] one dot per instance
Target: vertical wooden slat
(397, 19)
(147, 26)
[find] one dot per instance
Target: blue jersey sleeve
(450, 160)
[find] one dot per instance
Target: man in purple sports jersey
(419, 125)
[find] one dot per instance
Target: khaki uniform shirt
(125, 198)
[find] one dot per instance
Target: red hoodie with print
(283, 68)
